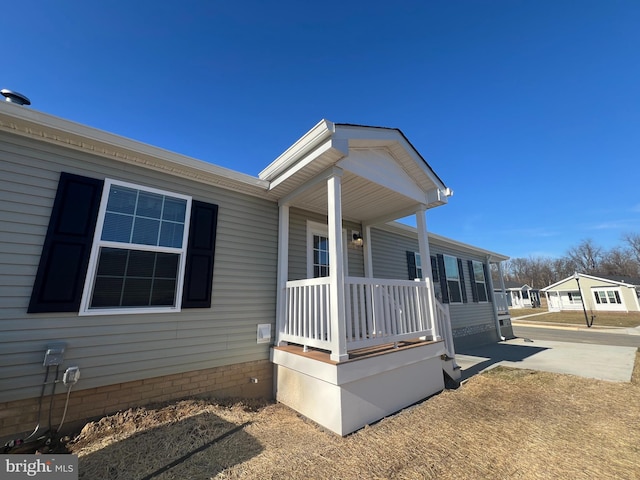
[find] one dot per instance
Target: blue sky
(528, 110)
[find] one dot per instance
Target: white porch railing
(385, 311)
(444, 328)
(376, 312)
(502, 303)
(307, 315)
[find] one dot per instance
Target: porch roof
(383, 175)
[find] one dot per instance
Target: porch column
(495, 307)
(501, 274)
(283, 271)
(427, 274)
(336, 268)
(368, 257)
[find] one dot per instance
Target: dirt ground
(505, 423)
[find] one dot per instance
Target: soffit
(362, 200)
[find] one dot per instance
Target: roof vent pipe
(15, 97)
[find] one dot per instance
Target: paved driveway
(604, 362)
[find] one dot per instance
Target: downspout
(495, 307)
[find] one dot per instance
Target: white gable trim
(381, 168)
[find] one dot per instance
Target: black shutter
(198, 276)
(444, 288)
(487, 282)
(434, 269)
(411, 263)
(463, 287)
(67, 246)
(474, 285)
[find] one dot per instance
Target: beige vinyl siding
(298, 244)
(119, 348)
(630, 298)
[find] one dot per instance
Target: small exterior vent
(15, 97)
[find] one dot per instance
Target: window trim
(89, 280)
(316, 228)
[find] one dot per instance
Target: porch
(343, 180)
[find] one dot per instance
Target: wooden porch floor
(354, 355)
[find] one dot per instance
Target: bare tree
(633, 242)
(562, 267)
(586, 256)
(619, 261)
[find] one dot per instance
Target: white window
(607, 296)
(418, 265)
(481, 281)
(574, 297)
(318, 250)
(453, 279)
(320, 255)
(138, 255)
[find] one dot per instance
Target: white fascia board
(330, 145)
(554, 285)
(27, 122)
(307, 143)
(606, 280)
(409, 231)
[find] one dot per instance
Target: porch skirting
(344, 397)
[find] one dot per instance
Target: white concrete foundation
(344, 397)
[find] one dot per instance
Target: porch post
(501, 274)
(427, 274)
(336, 268)
(495, 307)
(368, 258)
(283, 269)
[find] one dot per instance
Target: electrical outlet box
(53, 355)
(71, 376)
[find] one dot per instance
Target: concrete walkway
(572, 326)
(602, 362)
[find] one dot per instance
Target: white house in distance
(521, 295)
(605, 293)
(162, 277)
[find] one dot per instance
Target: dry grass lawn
(602, 319)
(503, 424)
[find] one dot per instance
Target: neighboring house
(606, 293)
(163, 277)
(521, 295)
